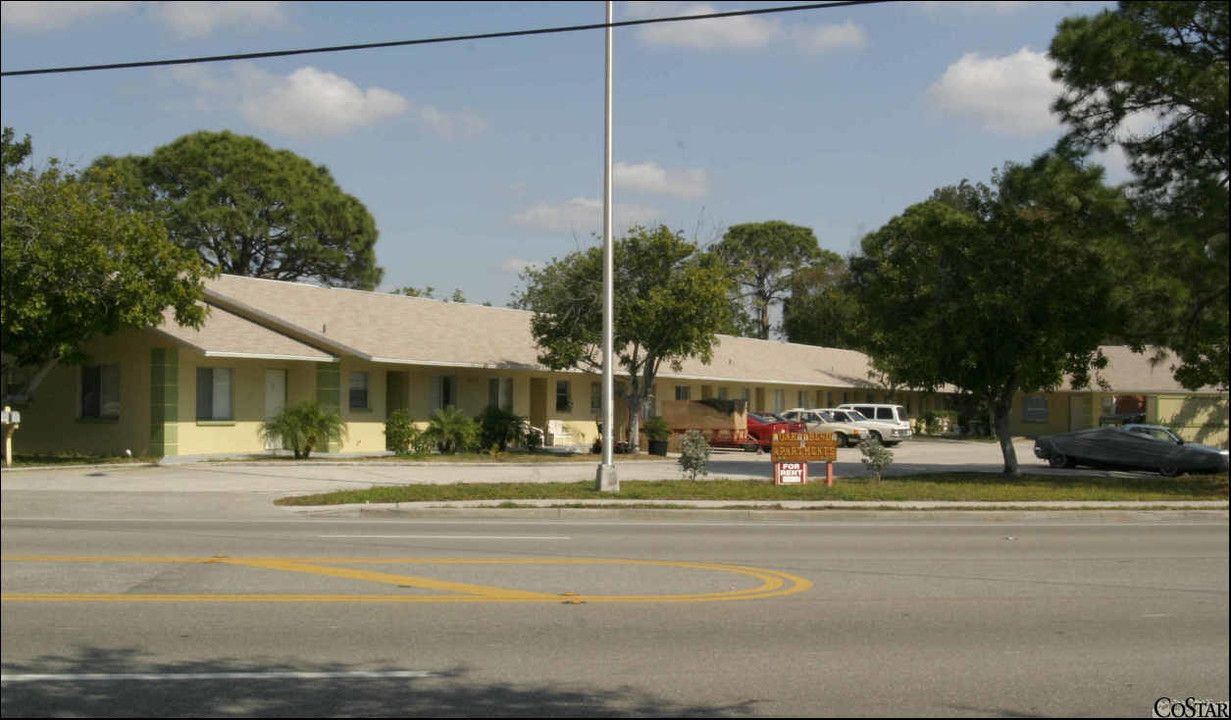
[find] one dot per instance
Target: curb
(791, 512)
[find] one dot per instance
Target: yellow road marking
(390, 579)
(773, 583)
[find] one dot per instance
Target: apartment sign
(804, 447)
(791, 453)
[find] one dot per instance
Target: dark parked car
(1132, 447)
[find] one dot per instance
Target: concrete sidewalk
(238, 488)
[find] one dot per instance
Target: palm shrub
(452, 431)
(694, 454)
(499, 428)
(304, 427)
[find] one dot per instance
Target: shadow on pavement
(445, 693)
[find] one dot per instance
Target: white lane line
(454, 537)
(156, 677)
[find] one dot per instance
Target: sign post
(791, 453)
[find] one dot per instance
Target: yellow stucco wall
(1199, 418)
(240, 434)
(52, 422)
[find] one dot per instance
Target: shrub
(452, 431)
(656, 428)
(499, 428)
(694, 454)
(876, 457)
(403, 437)
(398, 431)
(304, 427)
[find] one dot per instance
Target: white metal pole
(607, 480)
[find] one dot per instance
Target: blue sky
(477, 158)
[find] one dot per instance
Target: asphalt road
(182, 591)
(864, 615)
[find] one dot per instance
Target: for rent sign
(791, 453)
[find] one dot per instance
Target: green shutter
(329, 393)
(164, 402)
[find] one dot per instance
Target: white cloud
(749, 32)
(735, 32)
(43, 16)
(971, 7)
(197, 19)
(823, 38)
(311, 103)
(649, 177)
(582, 214)
(1009, 95)
(187, 19)
(450, 126)
(514, 266)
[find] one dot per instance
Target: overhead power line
(430, 41)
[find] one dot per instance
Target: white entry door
(275, 400)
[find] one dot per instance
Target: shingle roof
(225, 334)
(383, 327)
(1129, 372)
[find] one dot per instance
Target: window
(500, 393)
(443, 392)
(596, 398)
(779, 401)
(564, 396)
(745, 394)
(1034, 408)
(802, 397)
(214, 394)
(100, 391)
(707, 392)
(359, 391)
(683, 392)
(722, 393)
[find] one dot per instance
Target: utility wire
(430, 41)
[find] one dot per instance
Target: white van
(892, 415)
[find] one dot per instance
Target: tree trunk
(634, 423)
(1001, 412)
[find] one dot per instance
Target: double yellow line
(773, 583)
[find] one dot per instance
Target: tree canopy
(248, 209)
(821, 309)
(670, 300)
(995, 290)
(76, 263)
(762, 258)
(1151, 77)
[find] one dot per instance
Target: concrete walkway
(241, 489)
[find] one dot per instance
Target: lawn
(960, 487)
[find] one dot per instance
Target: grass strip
(972, 487)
